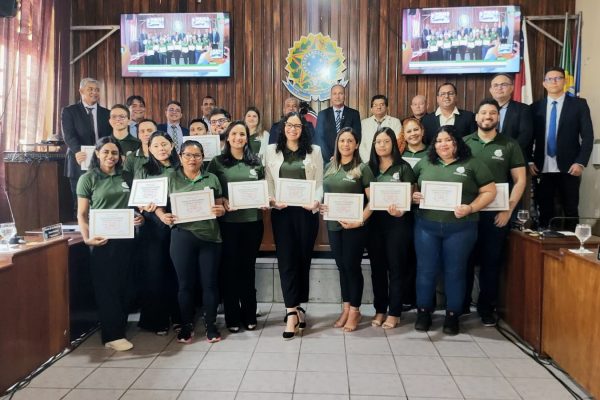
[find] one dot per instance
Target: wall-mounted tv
(176, 45)
(461, 40)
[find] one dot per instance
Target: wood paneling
(263, 30)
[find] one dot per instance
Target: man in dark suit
(563, 138)
(515, 117)
(448, 114)
(334, 118)
(83, 124)
(173, 127)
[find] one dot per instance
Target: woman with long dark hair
(259, 138)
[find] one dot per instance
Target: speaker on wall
(8, 8)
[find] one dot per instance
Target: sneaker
(119, 345)
(488, 319)
(212, 334)
(233, 329)
(162, 332)
(423, 322)
(451, 324)
(185, 334)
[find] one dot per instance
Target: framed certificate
(193, 206)
(344, 207)
(89, 152)
(440, 195)
(384, 194)
(248, 194)
(500, 202)
(210, 143)
(112, 224)
(411, 160)
(146, 191)
(295, 192)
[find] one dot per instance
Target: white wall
(589, 203)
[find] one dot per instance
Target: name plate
(52, 232)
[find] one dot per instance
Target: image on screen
(175, 45)
(461, 40)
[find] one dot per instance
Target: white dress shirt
(369, 126)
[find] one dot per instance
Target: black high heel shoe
(290, 335)
(301, 324)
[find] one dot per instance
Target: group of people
(408, 250)
(176, 48)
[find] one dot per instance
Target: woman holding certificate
(105, 186)
(454, 186)
(295, 167)
(158, 282)
(242, 229)
(195, 198)
(390, 232)
(347, 175)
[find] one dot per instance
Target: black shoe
(423, 322)
(233, 329)
(451, 324)
(467, 310)
(488, 318)
(290, 335)
(185, 333)
(301, 324)
(212, 334)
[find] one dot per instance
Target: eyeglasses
(501, 85)
(554, 79)
(218, 121)
(382, 142)
(293, 126)
(173, 110)
(191, 156)
(121, 117)
(449, 94)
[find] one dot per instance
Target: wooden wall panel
(263, 30)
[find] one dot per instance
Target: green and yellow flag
(566, 62)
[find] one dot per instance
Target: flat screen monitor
(461, 40)
(176, 45)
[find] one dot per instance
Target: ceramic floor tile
(222, 381)
(111, 378)
(61, 377)
(321, 382)
(312, 396)
(501, 350)
(206, 395)
(134, 394)
(356, 345)
(237, 343)
(263, 396)
(421, 365)
(361, 397)
(377, 364)
(459, 349)
(134, 358)
(30, 393)
(471, 366)
(163, 378)
(322, 362)
(178, 359)
(332, 345)
(268, 381)
(430, 386)
(540, 389)
(412, 347)
(277, 345)
(485, 387)
(273, 362)
(521, 368)
(85, 357)
(225, 360)
(375, 384)
(94, 394)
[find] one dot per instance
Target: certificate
(146, 191)
(248, 194)
(344, 207)
(500, 203)
(89, 152)
(295, 192)
(411, 160)
(193, 206)
(384, 194)
(440, 195)
(112, 224)
(211, 144)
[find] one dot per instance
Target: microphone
(551, 232)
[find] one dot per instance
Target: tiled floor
(323, 364)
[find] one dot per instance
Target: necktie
(551, 146)
(174, 136)
(338, 120)
(91, 118)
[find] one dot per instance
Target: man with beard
(174, 114)
(503, 156)
(219, 121)
(137, 112)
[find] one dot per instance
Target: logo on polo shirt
(498, 155)
(460, 171)
(349, 178)
(253, 173)
(125, 186)
(396, 176)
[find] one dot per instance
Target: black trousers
(567, 188)
(488, 253)
(196, 260)
(111, 271)
(389, 244)
(347, 246)
(156, 276)
(241, 242)
(295, 231)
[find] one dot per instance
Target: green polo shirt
(342, 182)
(238, 172)
(417, 154)
(129, 144)
(135, 161)
(178, 183)
(293, 165)
(104, 191)
(165, 170)
(255, 143)
(500, 155)
(396, 173)
(471, 172)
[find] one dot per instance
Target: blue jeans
(443, 246)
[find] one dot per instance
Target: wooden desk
(570, 326)
(522, 282)
(34, 308)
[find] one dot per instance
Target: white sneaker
(119, 345)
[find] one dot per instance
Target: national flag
(566, 61)
(522, 83)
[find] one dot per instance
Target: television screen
(461, 40)
(175, 45)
